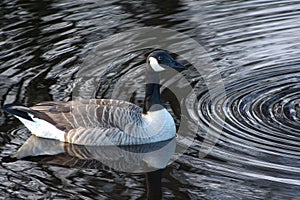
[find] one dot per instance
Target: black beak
(177, 66)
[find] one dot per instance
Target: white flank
(42, 128)
(161, 124)
(154, 65)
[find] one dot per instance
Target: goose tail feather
(24, 112)
(19, 110)
(39, 123)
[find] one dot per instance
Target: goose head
(157, 62)
(160, 60)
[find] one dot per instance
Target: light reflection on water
(255, 45)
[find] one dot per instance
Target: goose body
(99, 122)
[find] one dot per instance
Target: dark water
(254, 44)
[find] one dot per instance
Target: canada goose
(99, 122)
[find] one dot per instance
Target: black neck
(152, 96)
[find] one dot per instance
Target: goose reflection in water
(150, 159)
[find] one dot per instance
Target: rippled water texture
(256, 122)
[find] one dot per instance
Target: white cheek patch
(154, 65)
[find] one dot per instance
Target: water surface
(256, 48)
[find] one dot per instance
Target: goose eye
(159, 58)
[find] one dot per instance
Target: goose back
(99, 122)
(91, 113)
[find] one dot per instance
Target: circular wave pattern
(260, 66)
(255, 44)
(262, 123)
(264, 111)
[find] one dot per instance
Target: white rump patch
(154, 65)
(42, 128)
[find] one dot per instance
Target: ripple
(256, 122)
(261, 127)
(258, 116)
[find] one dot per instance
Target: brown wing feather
(91, 113)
